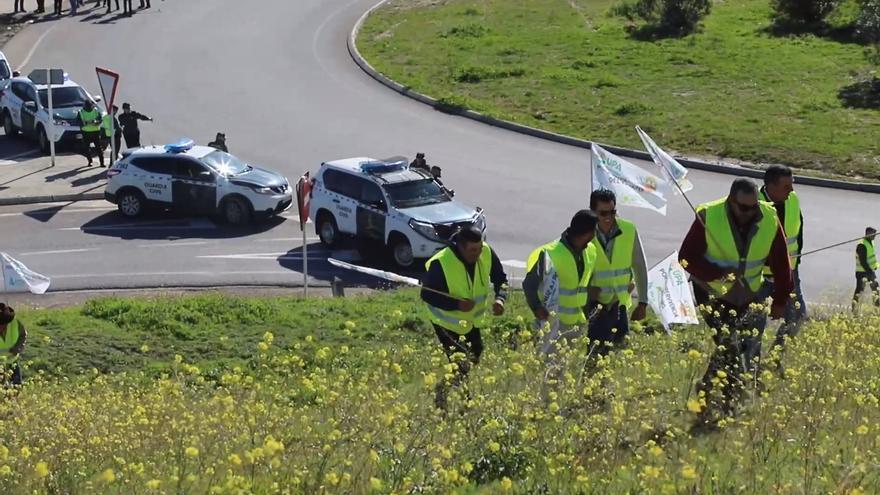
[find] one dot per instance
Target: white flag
(666, 162)
(549, 291)
(669, 293)
(19, 278)
(632, 185)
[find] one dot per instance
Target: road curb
(50, 198)
(572, 141)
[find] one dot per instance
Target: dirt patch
(10, 25)
(404, 5)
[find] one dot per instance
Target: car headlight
(263, 190)
(60, 122)
(424, 228)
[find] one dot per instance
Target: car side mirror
(31, 105)
(98, 99)
(16, 73)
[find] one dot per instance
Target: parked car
(407, 211)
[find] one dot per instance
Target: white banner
(668, 165)
(19, 278)
(669, 293)
(549, 291)
(632, 185)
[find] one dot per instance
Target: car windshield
(416, 193)
(69, 96)
(225, 164)
(4, 70)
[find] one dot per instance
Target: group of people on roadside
(58, 6)
(97, 130)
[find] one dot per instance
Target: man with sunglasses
(620, 261)
(725, 252)
(779, 192)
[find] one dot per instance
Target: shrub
(802, 12)
(666, 17)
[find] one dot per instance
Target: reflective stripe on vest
(460, 285)
(89, 120)
(613, 277)
(572, 290)
(720, 231)
(8, 341)
(791, 227)
(871, 255)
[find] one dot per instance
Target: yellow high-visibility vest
(460, 285)
(572, 290)
(613, 276)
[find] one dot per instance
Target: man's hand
(498, 307)
(466, 305)
(640, 312)
(777, 311)
(542, 314)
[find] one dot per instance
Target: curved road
(276, 76)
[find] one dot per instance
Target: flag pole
(859, 238)
(302, 227)
(51, 118)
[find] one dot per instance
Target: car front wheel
(236, 212)
(402, 252)
(8, 127)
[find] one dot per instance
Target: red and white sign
(109, 82)
(303, 197)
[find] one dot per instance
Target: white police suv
(195, 180)
(24, 106)
(405, 210)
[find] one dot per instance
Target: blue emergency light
(180, 147)
(379, 167)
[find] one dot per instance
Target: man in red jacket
(725, 251)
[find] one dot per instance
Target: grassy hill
(215, 394)
(734, 89)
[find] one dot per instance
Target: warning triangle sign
(109, 81)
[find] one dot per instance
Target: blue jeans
(793, 316)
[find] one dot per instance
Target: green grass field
(732, 90)
(227, 395)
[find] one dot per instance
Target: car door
(193, 187)
(152, 175)
(344, 193)
(371, 211)
(29, 109)
(14, 101)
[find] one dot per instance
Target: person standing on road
(19, 6)
(41, 7)
(219, 143)
(90, 124)
(13, 337)
(74, 6)
(109, 9)
(115, 132)
(57, 7)
(143, 6)
(126, 7)
(779, 191)
(866, 268)
(620, 261)
(129, 122)
(573, 257)
(470, 272)
(725, 252)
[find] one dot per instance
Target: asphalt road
(276, 77)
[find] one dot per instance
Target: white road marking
(35, 46)
(514, 263)
(286, 239)
(46, 213)
(280, 271)
(59, 251)
(174, 244)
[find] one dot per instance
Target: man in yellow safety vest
(620, 262)
(725, 252)
(12, 339)
(471, 274)
(778, 191)
(90, 125)
(866, 268)
(571, 258)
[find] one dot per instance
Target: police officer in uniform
(116, 132)
(90, 125)
(129, 122)
(471, 273)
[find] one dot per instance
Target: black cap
(583, 222)
(126, 105)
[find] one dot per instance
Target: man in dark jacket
(219, 143)
(459, 282)
(129, 122)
